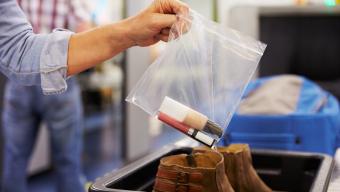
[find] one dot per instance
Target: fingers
(165, 31)
(162, 37)
(178, 7)
(162, 21)
(170, 7)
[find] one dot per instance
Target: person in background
(25, 107)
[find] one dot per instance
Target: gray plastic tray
(281, 170)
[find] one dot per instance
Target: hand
(153, 24)
(94, 46)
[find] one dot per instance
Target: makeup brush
(193, 133)
(189, 117)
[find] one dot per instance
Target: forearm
(147, 28)
(89, 48)
(48, 59)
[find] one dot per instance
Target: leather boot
(240, 170)
(202, 171)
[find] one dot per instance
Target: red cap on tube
(172, 122)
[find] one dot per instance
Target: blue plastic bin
(299, 131)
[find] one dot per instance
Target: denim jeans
(24, 110)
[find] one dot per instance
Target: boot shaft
(199, 172)
(239, 169)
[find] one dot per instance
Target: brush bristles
(213, 128)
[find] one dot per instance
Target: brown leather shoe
(202, 171)
(240, 170)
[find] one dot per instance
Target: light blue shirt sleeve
(28, 58)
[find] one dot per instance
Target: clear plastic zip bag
(196, 84)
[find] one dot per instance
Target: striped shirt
(46, 15)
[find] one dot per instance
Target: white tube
(174, 109)
(204, 138)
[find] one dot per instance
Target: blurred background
(303, 38)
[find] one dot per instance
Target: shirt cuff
(53, 62)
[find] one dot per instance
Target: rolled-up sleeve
(28, 58)
(53, 62)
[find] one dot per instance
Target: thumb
(161, 21)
